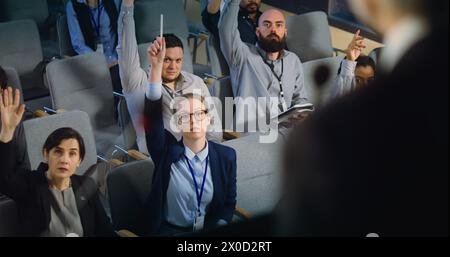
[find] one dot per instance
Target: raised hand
(11, 112)
(355, 47)
(156, 53)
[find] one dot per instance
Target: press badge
(199, 222)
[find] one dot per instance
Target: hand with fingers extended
(156, 53)
(11, 111)
(355, 47)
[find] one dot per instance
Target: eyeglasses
(198, 116)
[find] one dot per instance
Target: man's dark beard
(272, 45)
(251, 11)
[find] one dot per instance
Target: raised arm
(211, 16)
(157, 137)
(132, 75)
(345, 81)
(233, 49)
(13, 182)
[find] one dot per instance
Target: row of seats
(83, 83)
(129, 184)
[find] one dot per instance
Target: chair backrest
(147, 17)
(310, 69)
(37, 130)
(13, 79)
(126, 125)
(20, 48)
(375, 54)
(9, 222)
(64, 42)
(128, 187)
(36, 10)
(309, 36)
(83, 83)
(258, 173)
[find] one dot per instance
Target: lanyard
(97, 24)
(283, 105)
(280, 77)
(199, 195)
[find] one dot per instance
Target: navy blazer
(29, 189)
(166, 150)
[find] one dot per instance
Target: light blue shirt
(181, 202)
(106, 35)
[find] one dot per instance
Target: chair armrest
(126, 233)
(230, 135)
(137, 155)
(40, 113)
(115, 162)
(337, 51)
(209, 79)
(238, 211)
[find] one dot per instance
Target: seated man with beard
(265, 70)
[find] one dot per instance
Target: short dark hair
(173, 41)
(364, 61)
(3, 78)
(57, 136)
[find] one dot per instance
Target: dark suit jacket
(165, 150)
(377, 160)
(29, 189)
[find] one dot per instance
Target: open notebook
(296, 109)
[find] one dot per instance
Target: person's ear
(45, 153)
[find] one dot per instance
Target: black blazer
(165, 150)
(376, 161)
(30, 191)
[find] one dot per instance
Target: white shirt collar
(201, 155)
(400, 39)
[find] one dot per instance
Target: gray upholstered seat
(13, 79)
(36, 10)
(9, 224)
(310, 68)
(83, 83)
(258, 173)
(20, 48)
(309, 36)
(37, 130)
(128, 187)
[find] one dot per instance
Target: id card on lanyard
(97, 25)
(199, 220)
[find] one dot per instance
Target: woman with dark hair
(52, 201)
(356, 70)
